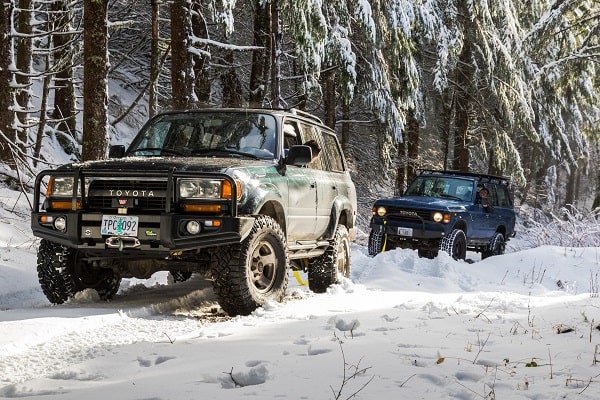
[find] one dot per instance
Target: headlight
(207, 189)
(440, 217)
(380, 211)
(60, 186)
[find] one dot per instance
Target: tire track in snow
(100, 334)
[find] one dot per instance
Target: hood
(203, 164)
(419, 202)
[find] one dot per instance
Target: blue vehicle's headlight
(380, 211)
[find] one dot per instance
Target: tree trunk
(464, 82)
(329, 97)
(201, 62)
(260, 58)
(154, 59)
(409, 154)
(275, 54)
(64, 89)
(7, 135)
(346, 130)
(95, 90)
(23, 59)
(42, 123)
(181, 60)
(232, 88)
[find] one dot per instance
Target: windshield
(208, 133)
(437, 186)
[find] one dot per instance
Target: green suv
(233, 194)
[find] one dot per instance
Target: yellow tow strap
(299, 279)
(384, 236)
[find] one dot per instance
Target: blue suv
(447, 211)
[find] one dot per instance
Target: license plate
(119, 225)
(405, 231)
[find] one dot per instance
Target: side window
(332, 153)
(502, 196)
(291, 135)
(309, 133)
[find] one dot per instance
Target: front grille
(405, 214)
(146, 195)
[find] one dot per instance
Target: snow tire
(496, 247)
(247, 275)
(375, 242)
(455, 244)
(61, 274)
(324, 271)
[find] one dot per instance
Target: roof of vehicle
(482, 178)
(276, 111)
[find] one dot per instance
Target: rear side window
(502, 196)
(332, 153)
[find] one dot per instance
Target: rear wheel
(496, 247)
(375, 242)
(247, 275)
(323, 270)
(455, 244)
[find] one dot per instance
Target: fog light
(60, 223)
(193, 227)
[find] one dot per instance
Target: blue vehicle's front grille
(404, 214)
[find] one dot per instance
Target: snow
(518, 326)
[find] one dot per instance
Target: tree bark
(64, 89)
(329, 96)
(95, 90)
(201, 62)
(181, 67)
(154, 59)
(260, 58)
(275, 51)
(7, 134)
(23, 60)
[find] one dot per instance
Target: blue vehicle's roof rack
(483, 178)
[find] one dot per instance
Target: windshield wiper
(223, 151)
(158, 149)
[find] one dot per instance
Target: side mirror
(116, 151)
(299, 156)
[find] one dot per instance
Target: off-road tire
(247, 275)
(455, 244)
(61, 274)
(323, 270)
(180, 276)
(53, 274)
(496, 247)
(376, 240)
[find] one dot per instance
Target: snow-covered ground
(518, 326)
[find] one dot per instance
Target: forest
(504, 87)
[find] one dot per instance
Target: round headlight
(381, 211)
(193, 227)
(438, 217)
(60, 223)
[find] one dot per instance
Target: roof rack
(482, 177)
(305, 114)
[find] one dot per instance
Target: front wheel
(62, 274)
(376, 239)
(455, 244)
(496, 247)
(323, 270)
(247, 275)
